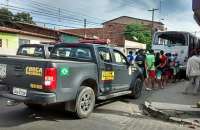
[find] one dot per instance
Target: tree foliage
(138, 33)
(23, 17)
(7, 16)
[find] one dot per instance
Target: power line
(48, 14)
(107, 32)
(38, 22)
(40, 4)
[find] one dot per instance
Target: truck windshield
(31, 51)
(79, 53)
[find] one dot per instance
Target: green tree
(5, 16)
(23, 17)
(138, 33)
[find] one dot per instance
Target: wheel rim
(86, 102)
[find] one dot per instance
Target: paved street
(174, 94)
(171, 103)
(119, 114)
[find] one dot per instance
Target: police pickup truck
(75, 74)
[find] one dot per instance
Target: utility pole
(85, 25)
(59, 13)
(160, 9)
(153, 13)
(7, 3)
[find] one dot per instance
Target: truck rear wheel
(85, 102)
(137, 89)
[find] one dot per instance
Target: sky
(175, 14)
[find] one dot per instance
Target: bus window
(181, 43)
(170, 39)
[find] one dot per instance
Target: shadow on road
(20, 114)
(11, 116)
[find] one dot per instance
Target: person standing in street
(163, 63)
(193, 72)
(130, 57)
(158, 70)
(140, 61)
(136, 53)
(150, 63)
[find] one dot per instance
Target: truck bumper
(32, 96)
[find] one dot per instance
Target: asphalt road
(119, 114)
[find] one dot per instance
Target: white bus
(176, 42)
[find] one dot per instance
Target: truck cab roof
(90, 45)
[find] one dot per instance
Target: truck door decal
(107, 75)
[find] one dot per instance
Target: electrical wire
(47, 14)
(38, 22)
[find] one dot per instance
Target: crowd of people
(158, 68)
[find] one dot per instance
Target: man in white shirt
(193, 72)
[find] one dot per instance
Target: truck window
(31, 51)
(119, 58)
(104, 54)
(72, 53)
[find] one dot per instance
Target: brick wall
(112, 32)
(114, 29)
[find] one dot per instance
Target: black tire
(137, 88)
(34, 106)
(85, 102)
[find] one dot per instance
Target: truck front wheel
(85, 102)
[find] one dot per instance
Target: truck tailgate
(22, 73)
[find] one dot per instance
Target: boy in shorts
(150, 63)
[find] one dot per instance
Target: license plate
(20, 92)
(3, 71)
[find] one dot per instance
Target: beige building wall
(34, 40)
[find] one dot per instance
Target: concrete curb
(165, 116)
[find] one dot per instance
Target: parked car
(76, 75)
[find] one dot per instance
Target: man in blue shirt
(130, 57)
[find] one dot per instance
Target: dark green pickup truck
(75, 74)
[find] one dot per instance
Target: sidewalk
(171, 104)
